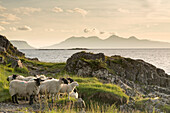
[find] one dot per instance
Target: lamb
(51, 87)
(68, 88)
(24, 88)
(74, 94)
(20, 77)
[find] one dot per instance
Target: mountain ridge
(113, 41)
(20, 44)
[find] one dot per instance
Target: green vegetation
(165, 108)
(95, 64)
(4, 84)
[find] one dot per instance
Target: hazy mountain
(111, 42)
(21, 44)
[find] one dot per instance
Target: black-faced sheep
(68, 88)
(51, 87)
(24, 88)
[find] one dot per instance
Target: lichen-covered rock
(98, 65)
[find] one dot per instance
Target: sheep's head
(71, 80)
(38, 80)
(12, 77)
(61, 81)
(64, 80)
(74, 84)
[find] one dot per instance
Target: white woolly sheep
(20, 77)
(24, 88)
(68, 88)
(51, 87)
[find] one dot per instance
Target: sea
(158, 57)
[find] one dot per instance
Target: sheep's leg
(13, 98)
(58, 96)
(52, 98)
(16, 100)
(69, 96)
(31, 100)
(35, 98)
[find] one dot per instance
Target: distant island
(94, 42)
(21, 44)
(113, 41)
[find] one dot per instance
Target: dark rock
(6, 46)
(98, 65)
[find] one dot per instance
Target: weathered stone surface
(6, 46)
(138, 71)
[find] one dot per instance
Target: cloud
(78, 10)
(91, 30)
(97, 32)
(4, 22)
(2, 28)
(24, 28)
(12, 28)
(2, 8)
(8, 16)
(57, 10)
(49, 30)
(27, 10)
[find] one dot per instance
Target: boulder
(101, 66)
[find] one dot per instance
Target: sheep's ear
(42, 80)
(14, 76)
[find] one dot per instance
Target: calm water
(157, 57)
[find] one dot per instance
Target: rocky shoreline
(147, 86)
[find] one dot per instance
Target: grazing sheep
(68, 88)
(20, 77)
(51, 87)
(24, 88)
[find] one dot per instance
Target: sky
(46, 22)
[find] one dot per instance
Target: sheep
(13, 77)
(68, 88)
(41, 76)
(51, 87)
(74, 94)
(20, 77)
(70, 80)
(24, 88)
(65, 80)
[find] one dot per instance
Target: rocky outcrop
(137, 77)
(6, 46)
(98, 65)
(9, 53)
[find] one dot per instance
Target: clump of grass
(23, 70)
(95, 64)
(91, 88)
